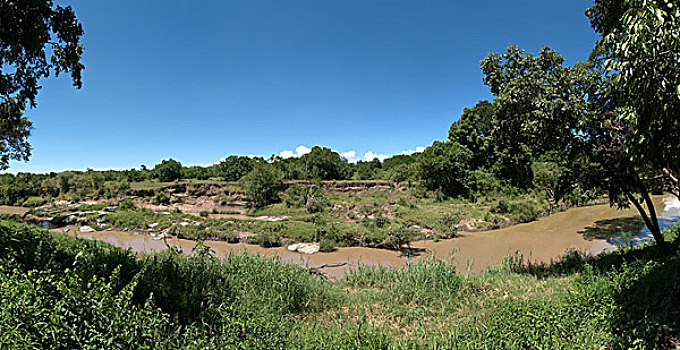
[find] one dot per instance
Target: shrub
(262, 184)
(34, 201)
(127, 204)
(204, 214)
(314, 204)
(381, 221)
(269, 239)
(327, 245)
(161, 197)
(66, 311)
(448, 224)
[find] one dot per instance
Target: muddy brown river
(585, 229)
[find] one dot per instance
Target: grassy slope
(49, 296)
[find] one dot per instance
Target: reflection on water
(634, 237)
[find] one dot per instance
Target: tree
(325, 164)
(640, 52)
(168, 170)
(37, 39)
(233, 168)
(539, 106)
(544, 107)
(444, 166)
(262, 184)
(473, 130)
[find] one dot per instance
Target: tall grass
(57, 291)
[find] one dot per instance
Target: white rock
(304, 248)
(67, 229)
(86, 229)
(183, 223)
(153, 225)
(308, 249)
(158, 237)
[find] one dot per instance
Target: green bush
(39, 309)
(168, 170)
(262, 184)
(327, 245)
(161, 197)
(269, 239)
(116, 299)
(204, 214)
(34, 201)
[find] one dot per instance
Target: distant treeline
(460, 167)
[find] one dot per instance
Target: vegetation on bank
(378, 217)
(60, 291)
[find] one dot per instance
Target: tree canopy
(168, 170)
(37, 39)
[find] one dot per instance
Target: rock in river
(304, 248)
(86, 229)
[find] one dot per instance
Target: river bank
(585, 229)
(591, 229)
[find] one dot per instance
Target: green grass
(59, 291)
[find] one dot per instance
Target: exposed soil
(12, 210)
(540, 241)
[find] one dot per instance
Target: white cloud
(369, 156)
(302, 150)
(299, 152)
(351, 156)
(409, 152)
(287, 154)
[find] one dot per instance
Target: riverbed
(591, 229)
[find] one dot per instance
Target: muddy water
(12, 210)
(334, 264)
(586, 229)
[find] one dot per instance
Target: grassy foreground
(57, 291)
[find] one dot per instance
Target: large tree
(543, 107)
(444, 166)
(473, 130)
(538, 101)
(640, 52)
(325, 164)
(37, 39)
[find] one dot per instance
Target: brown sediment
(345, 257)
(540, 241)
(13, 210)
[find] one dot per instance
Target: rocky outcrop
(304, 248)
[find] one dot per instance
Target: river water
(592, 229)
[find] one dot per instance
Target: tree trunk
(651, 223)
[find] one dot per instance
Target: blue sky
(200, 80)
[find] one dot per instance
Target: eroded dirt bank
(584, 229)
(547, 238)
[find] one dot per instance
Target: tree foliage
(168, 170)
(444, 167)
(640, 52)
(324, 163)
(474, 130)
(37, 39)
(262, 184)
(233, 167)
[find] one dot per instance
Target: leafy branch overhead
(37, 39)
